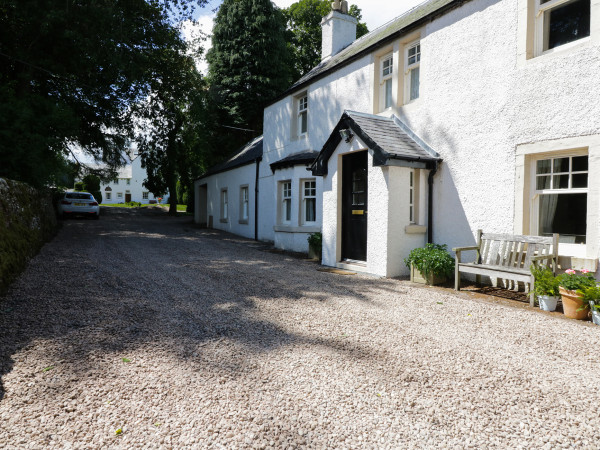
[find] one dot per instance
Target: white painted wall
(232, 180)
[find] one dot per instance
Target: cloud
(199, 33)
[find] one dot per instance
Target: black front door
(354, 206)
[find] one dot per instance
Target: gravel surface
(182, 337)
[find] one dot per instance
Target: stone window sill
(415, 229)
(292, 229)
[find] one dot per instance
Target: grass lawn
(180, 208)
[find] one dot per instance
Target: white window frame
(309, 193)
(564, 248)
(116, 181)
(108, 195)
(386, 81)
(541, 26)
(244, 204)
(286, 201)
(224, 205)
(410, 67)
(119, 195)
(128, 181)
(302, 114)
(145, 195)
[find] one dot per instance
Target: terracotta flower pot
(572, 301)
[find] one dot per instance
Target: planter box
(314, 253)
(417, 277)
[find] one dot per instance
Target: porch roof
(297, 159)
(393, 143)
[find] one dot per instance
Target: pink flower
(570, 271)
(585, 271)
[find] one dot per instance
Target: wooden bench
(507, 256)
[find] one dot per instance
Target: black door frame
(354, 208)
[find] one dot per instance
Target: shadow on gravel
(138, 278)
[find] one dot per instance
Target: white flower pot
(595, 314)
(547, 302)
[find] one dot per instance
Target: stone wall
(27, 221)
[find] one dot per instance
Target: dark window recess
(564, 214)
(567, 23)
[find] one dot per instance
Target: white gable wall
(232, 180)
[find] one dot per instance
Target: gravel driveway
(182, 337)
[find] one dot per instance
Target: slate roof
(388, 137)
(247, 154)
(399, 26)
(296, 159)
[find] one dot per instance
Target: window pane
(310, 213)
(561, 165)
(387, 66)
(543, 166)
(542, 183)
(414, 83)
(580, 180)
(561, 182)
(580, 163)
(564, 214)
(303, 122)
(388, 93)
(567, 23)
(288, 209)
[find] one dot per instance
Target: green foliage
(91, 183)
(304, 32)
(315, 240)
(545, 281)
(573, 282)
(248, 65)
(591, 293)
(69, 73)
(433, 258)
(79, 186)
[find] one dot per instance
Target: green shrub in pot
(545, 281)
(431, 260)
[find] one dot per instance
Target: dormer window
(560, 22)
(387, 72)
(299, 125)
(413, 70)
(303, 115)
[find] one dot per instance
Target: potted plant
(315, 245)
(571, 287)
(431, 264)
(545, 287)
(591, 295)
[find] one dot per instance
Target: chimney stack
(338, 28)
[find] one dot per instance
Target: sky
(375, 13)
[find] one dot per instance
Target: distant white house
(128, 186)
(456, 116)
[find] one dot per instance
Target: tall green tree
(248, 66)
(171, 124)
(304, 31)
(70, 72)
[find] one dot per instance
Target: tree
(304, 31)
(70, 72)
(169, 144)
(248, 66)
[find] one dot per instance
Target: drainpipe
(256, 200)
(432, 172)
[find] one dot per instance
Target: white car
(78, 203)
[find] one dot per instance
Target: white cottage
(458, 115)
(128, 185)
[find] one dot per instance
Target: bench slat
(520, 238)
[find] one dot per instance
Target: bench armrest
(463, 249)
(541, 257)
(457, 250)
